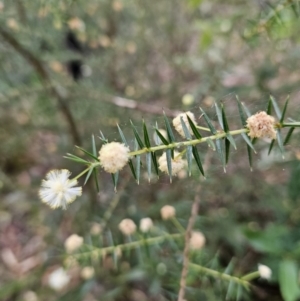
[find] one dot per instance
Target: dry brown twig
(192, 219)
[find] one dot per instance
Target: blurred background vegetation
(70, 68)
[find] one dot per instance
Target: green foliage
(288, 274)
(144, 57)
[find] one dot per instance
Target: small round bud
(146, 224)
(187, 99)
(177, 163)
(177, 122)
(87, 273)
(197, 240)
(264, 271)
(58, 279)
(167, 212)
(127, 226)
(113, 156)
(261, 125)
(73, 242)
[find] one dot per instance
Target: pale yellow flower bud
(188, 99)
(177, 163)
(113, 156)
(197, 240)
(261, 125)
(127, 226)
(87, 273)
(264, 271)
(73, 242)
(178, 126)
(146, 224)
(167, 212)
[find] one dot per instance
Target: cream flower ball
(177, 163)
(113, 156)
(167, 212)
(261, 125)
(127, 226)
(146, 224)
(197, 240)
(73, 242)
(178, 126)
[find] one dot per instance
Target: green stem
(251, 276)
(186, 143)
(108, 213)
(176, 223)
(92, 165)
(220, 275)
(291, 124)
(130, 245)
(82, 173)
(203, 128)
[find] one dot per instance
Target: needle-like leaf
(209, 123)
(146, 135)
(288, 136)
(185, 129)
(88, 175)
(87, 153)
(197, 159)
(137, 137)
(276, 107)
(241, 111)
(169, 162)
(189, 152)
(161, 137)
(169, 129)
(284, 109)
(193, 127)
(122, 136)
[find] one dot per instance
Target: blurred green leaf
(288, 280)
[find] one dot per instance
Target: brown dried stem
(42, 72)
(188, 232)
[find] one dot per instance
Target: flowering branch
(114, 156)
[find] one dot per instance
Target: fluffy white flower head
(146, 224)
(127, 226)
(197, 240)
(261, 125)
(58, 279)
(177, 122)
(167, 212)
(57, 190)
(73, 242)
(264, 271)
(177, 163)
(113, 156)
